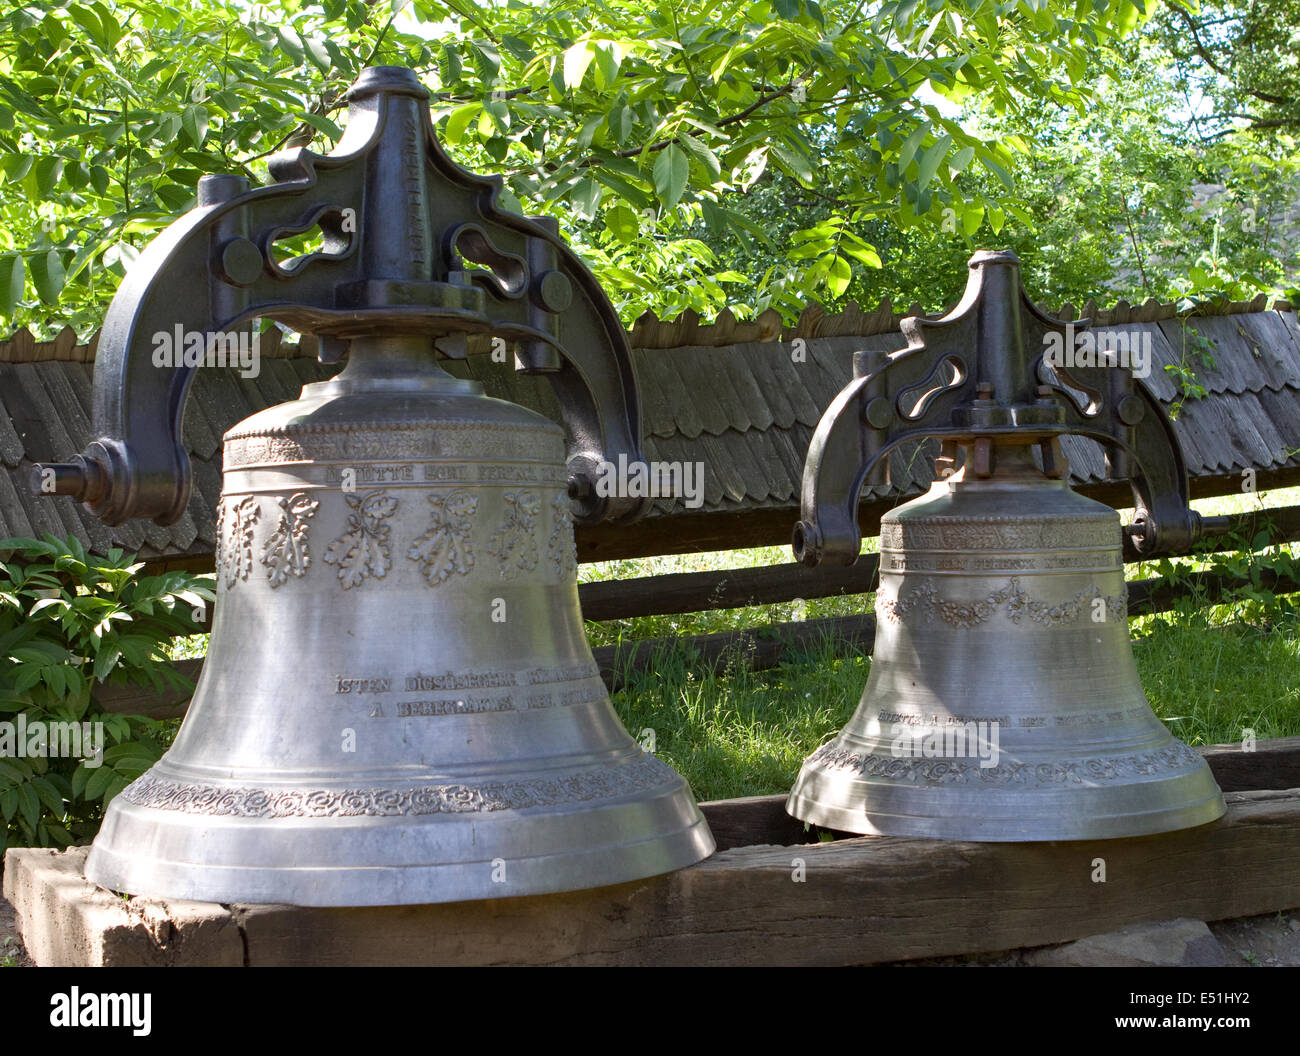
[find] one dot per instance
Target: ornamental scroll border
(608, 782)
(944, 771)
(925, 600)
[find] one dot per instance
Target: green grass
(733, 731)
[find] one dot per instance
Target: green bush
(68, 621)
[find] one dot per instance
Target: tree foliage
(643, 126)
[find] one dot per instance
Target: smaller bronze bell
(1003, 701)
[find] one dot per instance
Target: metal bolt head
(241, 262)
(1131, 410)
(552, 291)
(879, 413)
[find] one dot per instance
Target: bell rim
(116, 865)
(1024, 827)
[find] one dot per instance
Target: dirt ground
(1270, 941)
(12, 954)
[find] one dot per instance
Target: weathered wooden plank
(753, 820)
(734, 588)
(1273, 763)
(865, 900)
(725, 589)
(698, 532)
(131, 700)
(764, 646)
(861, 901)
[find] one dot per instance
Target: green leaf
(931, 159)
(45, 174)
(454, 131)
(585, 198)
(49, 795)
(609, 57)
(318, 54)
(13, 277)
(908, 150)
(17, 166)
(169, 127)
(623, 223)
(839, 276)
(100, 778)
(89, 21)
(47, 275)
(702, 154)
(30, 804)
(56, 679)
(1001, 173)
(576, 60)
(629, 191)
(487, 62)
(290, 44)
(621, 121)
(795, 164)
(671, 171)
(322, 124)
(449, 66)
(195, 122)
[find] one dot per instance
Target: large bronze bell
(1003, 701)
(398, 704)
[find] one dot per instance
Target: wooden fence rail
(757, 648)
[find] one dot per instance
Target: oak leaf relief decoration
(560, 546)
(444, 550)
(362, 551)
(285, 553)
(513, 544)
(235, 521)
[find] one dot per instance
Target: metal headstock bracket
(980, 379)
(415, 249)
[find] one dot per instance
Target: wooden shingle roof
(733, 398)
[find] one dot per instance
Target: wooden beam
(865, 900)
(861, 901)
(1273, 763)
(136, 700)
(692, 533)
(618, 599)
(762, 647)
(1146, 596)
(736, 588)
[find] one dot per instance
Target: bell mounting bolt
(412, 245)
(981, 379)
